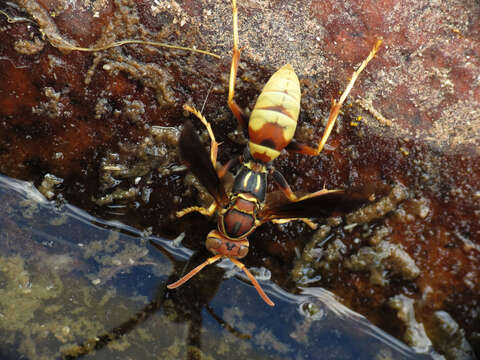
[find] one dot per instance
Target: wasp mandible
(270, 128)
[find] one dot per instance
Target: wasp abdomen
(274, 117)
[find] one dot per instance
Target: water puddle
(74, 286)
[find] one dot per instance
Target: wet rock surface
(82, 127)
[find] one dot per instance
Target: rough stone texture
(66, 113)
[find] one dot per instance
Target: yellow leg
(307, 221)
(317, 193)
(254, 281)
(337, 105)
(204, 211)
(236, 110)
(282, 184)
(292, 197)
(335, 109)
(214, 144)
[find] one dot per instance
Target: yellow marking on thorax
(258, 183)
(255, 166)
(245, 180)
(248, 197)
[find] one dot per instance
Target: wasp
(270, 129)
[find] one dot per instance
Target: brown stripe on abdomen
(271, 135)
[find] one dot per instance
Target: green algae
(34, 303)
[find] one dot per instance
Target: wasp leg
(307, 221)
(225, 168)
(214, 143)
(193, 272)
(334, 110)
(236, 110)
(204, 211)
(254, 281)
(283, 186)
(317, 193)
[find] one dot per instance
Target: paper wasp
(270, 128)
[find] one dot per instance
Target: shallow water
(73, 285)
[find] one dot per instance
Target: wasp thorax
(237, 224)
(251, 182)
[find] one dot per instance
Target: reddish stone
(420, 125)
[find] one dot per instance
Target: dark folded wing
(197, 159)
(337, 202)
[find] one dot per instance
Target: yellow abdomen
(274, 117)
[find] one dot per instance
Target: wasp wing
(196, 157)
(323, 203)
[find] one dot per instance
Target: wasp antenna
(254, 282)
(214, 144)
(193, 272)
(206, 98)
